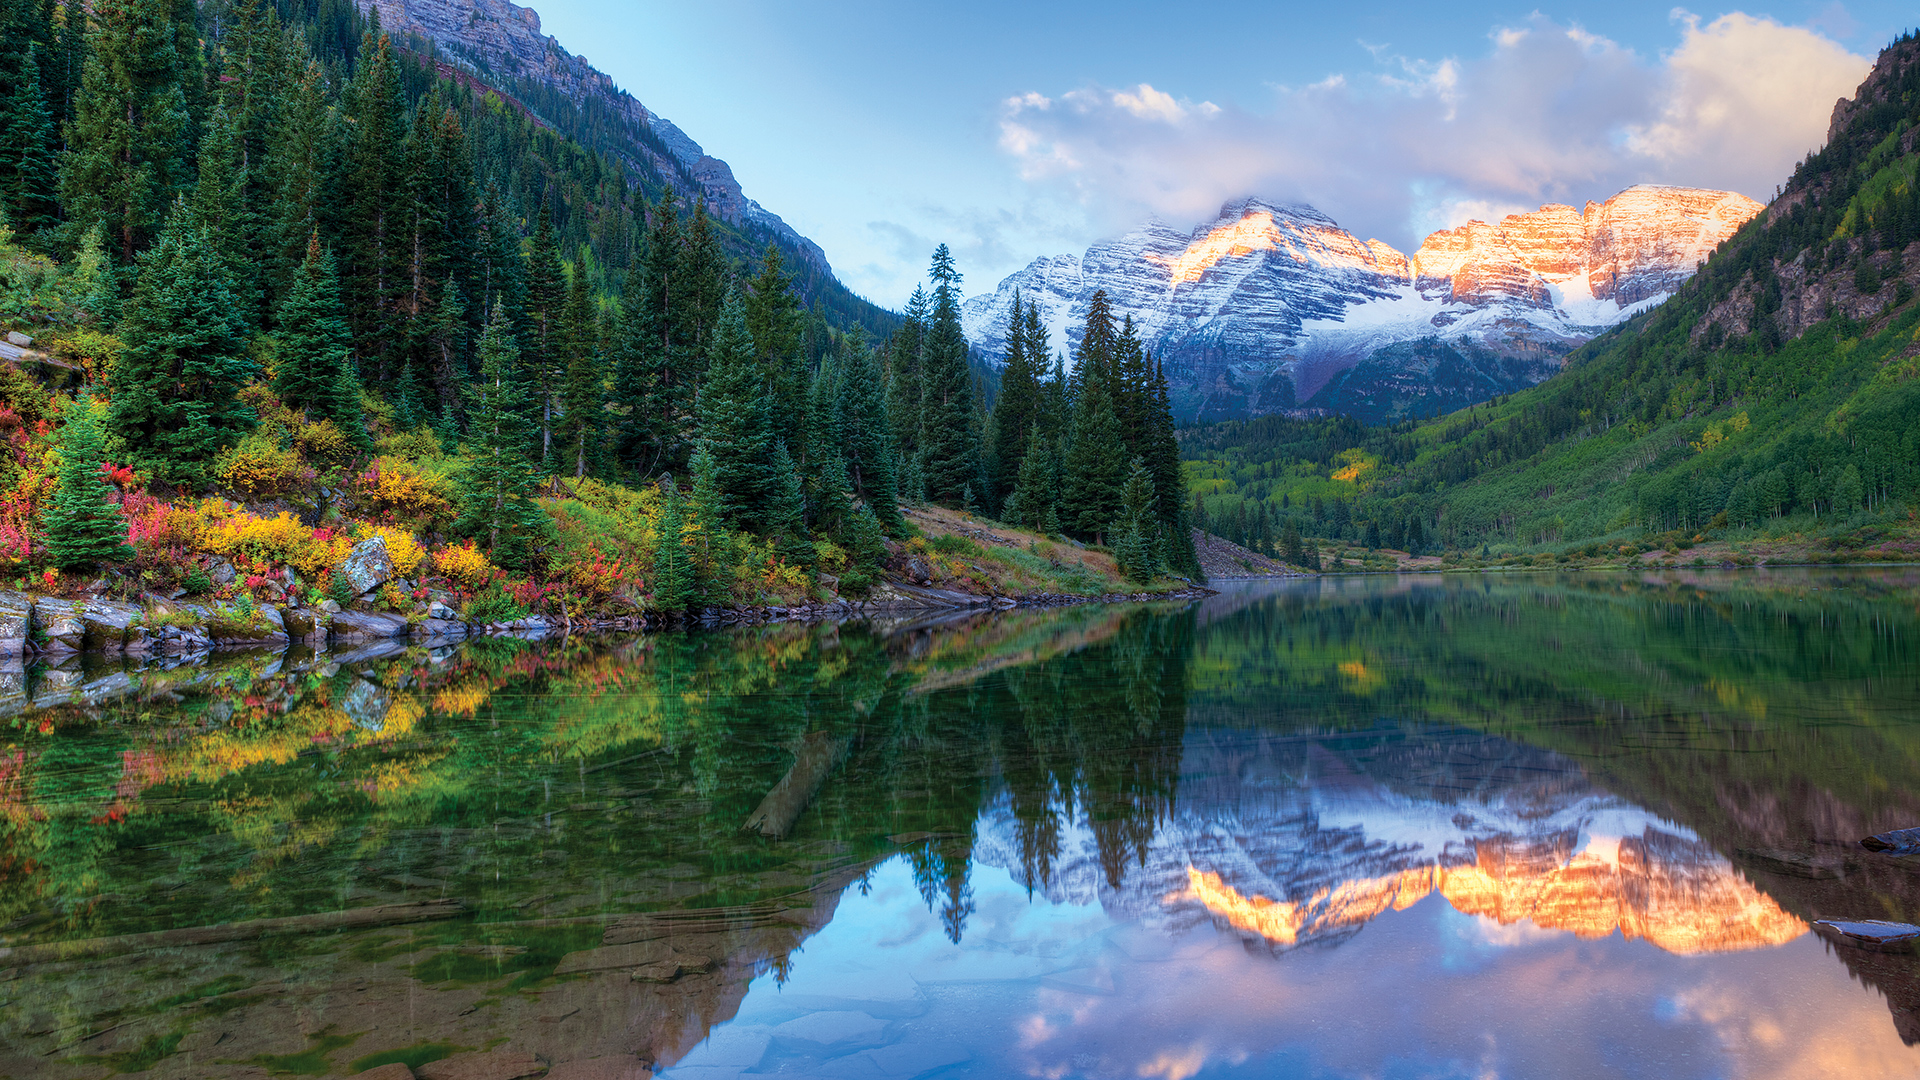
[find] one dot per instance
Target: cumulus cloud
(1550, 113)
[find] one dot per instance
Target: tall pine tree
(84, 528)
(736, 426)
(949, 425)
(314, 364)
(498, 478)
(175, 385)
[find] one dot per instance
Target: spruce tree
(674, 583)
(498, 478)
(949, 432)
(175, 385)
(1136, 532)
(872, 461)
(1162, 453)
(1037, 488)
(1018, 405)
(904, 368)
(84, 528)
(774, 319)
(736, 427)
(314, 368)
(28, 180)
(544, 343)
(584, 393)
(1095, 466)
(129, 140)
(375, 233)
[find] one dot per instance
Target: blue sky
(1012, 130)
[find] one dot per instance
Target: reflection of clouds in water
(1790, 1029)
(1181, 1003)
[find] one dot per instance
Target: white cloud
(1550, 113)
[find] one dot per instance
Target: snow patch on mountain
(1258, 309)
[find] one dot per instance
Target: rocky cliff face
(501, 38)
(1262, 308)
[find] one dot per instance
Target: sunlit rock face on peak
(1274, 308)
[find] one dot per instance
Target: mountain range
(1273, 307)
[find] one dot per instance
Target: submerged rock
(1875, 934)
(1897, 842)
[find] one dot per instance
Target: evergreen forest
(280, 282)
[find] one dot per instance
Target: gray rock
(367, 626)
(367, 566)
(440, 628)
(330, 607)
(107, 622)
(221, 571)
(16, 621)
(15, 337)
(59, 621)
(438, 610)
(301, 623)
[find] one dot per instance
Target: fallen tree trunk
(819, 754)
(326, 921)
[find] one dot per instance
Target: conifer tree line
(1089, 454)
(258, 197)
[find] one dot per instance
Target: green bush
(493, 605)
(951, 544)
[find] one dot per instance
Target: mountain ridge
(501, 38)
(1259, 309)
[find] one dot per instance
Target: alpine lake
(1529, 825)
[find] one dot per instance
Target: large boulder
(303, 624)
(59, 624)
(368, 626)
(16, 621)
(367, 566)
(108, 623)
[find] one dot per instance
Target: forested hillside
(278, 282)
(1774, 398)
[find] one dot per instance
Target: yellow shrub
(465, 564)
(418, 443)
(402, 548)
(259, 465)
(401, 489)
(324, 441)
(278, 539)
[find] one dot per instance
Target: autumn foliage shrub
(406, 491)
(464, 563)
(279, 539)
(259, 467)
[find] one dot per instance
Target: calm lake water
(1473, 826)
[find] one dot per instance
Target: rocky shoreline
(168, 626)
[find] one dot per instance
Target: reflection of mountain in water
(1301, 841)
